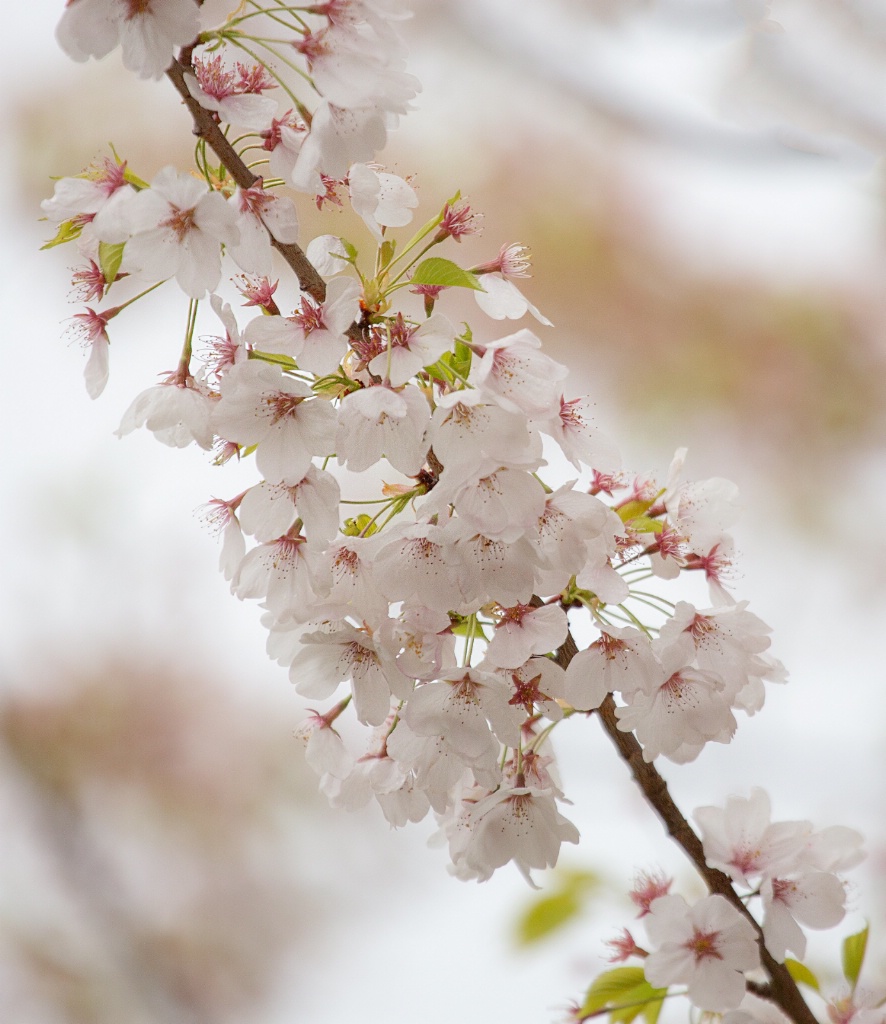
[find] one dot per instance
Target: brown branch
(206, 128)
(782, 989)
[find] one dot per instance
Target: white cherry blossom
(621, 660)
(380, 199)
(416, 563)
(315, 334)
(518, 376)
(282, 573)
(679, 712)
(519, 824)
(707, 946)
(261, 405)
(410, 348)
(376, 422)
(178, 227)
(816, 899)
(178, 412)
(260, 215)
(525, 630)
(344, 653)
(148, 31)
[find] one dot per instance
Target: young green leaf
(436, 270)
(547, 916)
(109, 259)
(67, 231)
(801, 973)
(854, 947)
(625, 993)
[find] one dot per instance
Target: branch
(783, 989)
(206, 128)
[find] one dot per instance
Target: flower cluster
(417, 560)
(712, 945)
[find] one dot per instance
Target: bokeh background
(701, 185)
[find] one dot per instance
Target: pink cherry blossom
(525, 630)
(410, 348)
(707, 946)
(261, 405)
(148, 31)
(380, 199)
(178, 227)
(516, 824)
(378, 422)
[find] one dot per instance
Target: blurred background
(701, 185)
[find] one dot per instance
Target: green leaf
(546, 916)
(135, 180)
(643, 524)
(625, 993)
(461, 358)
(386, 254)
(854, 947)
(355, 526)
(550, 912)
(801, 973)
(109, 259)
(67, 231)
(633, 510)
(436, 270)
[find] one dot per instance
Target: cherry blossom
(410, 348)
(517, 824)
(621, 660)
(679, 712)
(178, 412)
(148, 31)
(261, 215)
(177, 229)
(315, 334)
(524, 630)
(284, 574)
(816, 899)
(344, 653)
(261, 405)
(707, 947)
(381, 421)
(741, 839)
(380, 199)
(234, 93)
(90, 328)
(501, 299)
(518, 376)
(418, 557)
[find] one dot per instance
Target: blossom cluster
(444, 612)
(419, 560)
(710, 946)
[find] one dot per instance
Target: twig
(782, 989)
(206, 127)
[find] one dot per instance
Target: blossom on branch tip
(90, 329)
